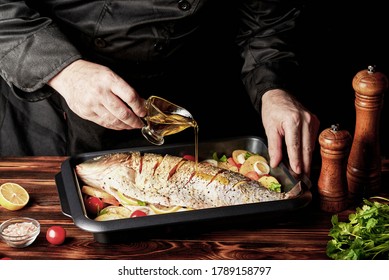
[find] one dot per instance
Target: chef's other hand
(284, 117)
(97, 94)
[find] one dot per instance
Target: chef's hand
(284, 117)
(97, 94)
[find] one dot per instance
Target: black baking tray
(71, 198)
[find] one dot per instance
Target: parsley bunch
(365, 236)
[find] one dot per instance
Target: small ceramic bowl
(19, 232)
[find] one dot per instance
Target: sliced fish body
(160, 181)
(173, 181)
(146, 174)
(222, 190)
(178, 190)
(166, 169)
(198, 185)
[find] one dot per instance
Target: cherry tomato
(233, 163)
(93, 205)
(252, 175)
(138, 213)
(189, 157)
(56, 235)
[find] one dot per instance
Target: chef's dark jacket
(203, 55)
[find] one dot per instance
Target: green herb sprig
(365, 236)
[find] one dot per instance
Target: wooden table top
(298, 236)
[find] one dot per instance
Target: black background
(337, 40)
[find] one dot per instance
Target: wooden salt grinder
(364, 163)
(332, 185)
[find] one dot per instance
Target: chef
(75, 74)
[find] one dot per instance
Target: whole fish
(173, 181)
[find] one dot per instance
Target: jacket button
(159, 46)
(100, 42)
(184, 5)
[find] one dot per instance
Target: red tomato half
(189, 157)
(138, 213)
(233, 163)
(93, 205)
(56, 235)
(252, 175)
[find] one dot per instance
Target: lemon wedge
(13, 196)
(160, 209)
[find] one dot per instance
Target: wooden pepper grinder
(332, 185)
(364, 163)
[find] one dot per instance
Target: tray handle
(62, 195)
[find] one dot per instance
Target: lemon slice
(109, 217)
(13, 196)
(269, 181)
(119, 210)
(126, 200)
(160, 209)
(93, 191)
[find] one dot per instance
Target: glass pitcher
(164, 118)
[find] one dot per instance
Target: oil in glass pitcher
(164, 118)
